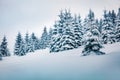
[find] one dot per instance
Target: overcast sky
(33, 15)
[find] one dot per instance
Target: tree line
(69, 32)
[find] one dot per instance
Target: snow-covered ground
(66, 65)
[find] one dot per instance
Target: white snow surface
(66, 65)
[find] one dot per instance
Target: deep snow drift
(66, 65)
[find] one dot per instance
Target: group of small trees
(4, 51)
(30, 43)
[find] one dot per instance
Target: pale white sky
(33, 15)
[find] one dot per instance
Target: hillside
(66, 65)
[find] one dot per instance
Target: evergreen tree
(78, 33)
(31, 47)
(118, 26)
(19, 46)
(22, 51)
(29, 43)
(112, 16)
(93, 44)
(89, 24)
(35, 41)
(63, 37)
(108, 34)
(3, 48)
(44, 39)
(91, 36)
(50, 36)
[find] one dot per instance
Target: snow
(65, 65)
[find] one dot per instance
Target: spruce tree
(22, 51)
(118, 26)
(30, 42)
(89, 24)
(3, 48)
(63, 37)
(108, 34)
(27, 43)
(113, 17)
(19, 49)
(35, 41)
(31, 47)
(44, 39)
(78, 33)
(93, 43)
(50, 36)
(92, 36)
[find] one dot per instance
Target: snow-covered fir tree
(92, 36)
(22, 51)
(112, 16)
(108, 33)
(93, 43)
(3, 48)
(118, 26)
(89, 21)
(89, 24)
(28, 44)
(44, 39)
(63, 37)
(19, 49)
(31, 44)
(50, 36)
(35, 42)
(78, 30)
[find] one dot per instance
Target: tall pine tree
(93, 44)
(44, 39)
(50, 36)
(78, 30)
(35, 42)
(118, 26)
(92, 36)
(3, 48)
(63, 33)
(108, 34)
(19, 49)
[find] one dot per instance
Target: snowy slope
(66, 65)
